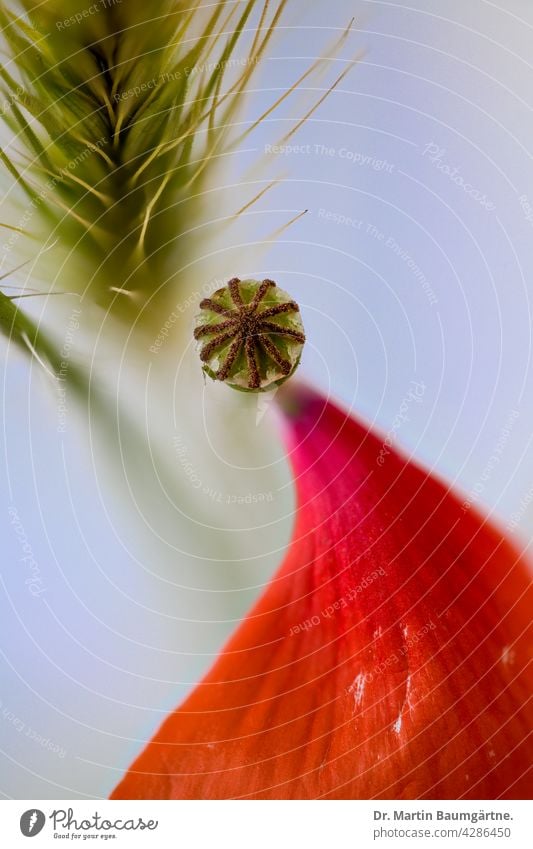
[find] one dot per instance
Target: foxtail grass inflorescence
(119, 112)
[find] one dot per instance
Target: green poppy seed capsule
(250, 335)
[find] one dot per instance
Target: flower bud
(251, 335)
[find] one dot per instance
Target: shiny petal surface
(387, 658)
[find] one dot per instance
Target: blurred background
(122, 575)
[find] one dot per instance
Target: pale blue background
(94, 663)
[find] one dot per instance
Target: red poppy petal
(387, 658)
